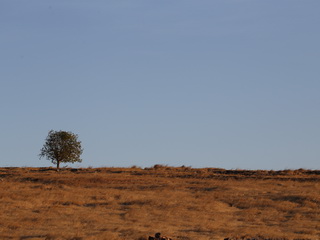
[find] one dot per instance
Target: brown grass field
(182, 203)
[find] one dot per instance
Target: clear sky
(210, 83)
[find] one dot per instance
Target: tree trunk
(58, 166)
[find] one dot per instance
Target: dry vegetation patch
(183, 203)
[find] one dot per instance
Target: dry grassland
(183, 203)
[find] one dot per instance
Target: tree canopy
(61, 147)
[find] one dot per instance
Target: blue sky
(230, 84)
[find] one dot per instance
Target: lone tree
(61, 146)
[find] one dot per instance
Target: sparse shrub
(159, 166)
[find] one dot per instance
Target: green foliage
(61, 146)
